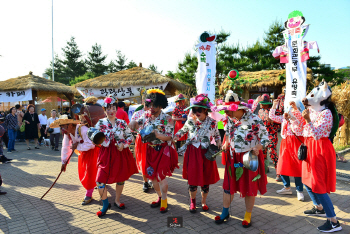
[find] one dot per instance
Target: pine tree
(154, 68)
(96, 61)
(58, 73)
(131, 64)
(273, 38)
(74, 66)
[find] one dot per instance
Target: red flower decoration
(162, 209)
(217, 218)
(108, 100)
(154, 203)
(249, 137)
(81, 142)
(99, 213)
(121, 205)
(245, 223)
(206, 208)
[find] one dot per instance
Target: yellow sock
(164, 203)
(247, 216)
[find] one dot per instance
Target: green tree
(131, 64)
(273, 38)
(58, 73)
(119, 64)
(86, 76)
(73, 65)
(154, 68)
(96, 61)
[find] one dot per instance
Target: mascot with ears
(319, 167)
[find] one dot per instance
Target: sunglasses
(197, 110)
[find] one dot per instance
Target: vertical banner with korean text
(295, 68)
(205, 77)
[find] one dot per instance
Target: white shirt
(50, 121)
(43, 119)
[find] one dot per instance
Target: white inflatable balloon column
(206, 54)
(294, 53)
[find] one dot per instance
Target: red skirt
(140, 150)
(178, 126)
(162, 163)
(288, 162)
(87, 167)
(244, 185)
(114, 165)
(319, 168)
(198, 170)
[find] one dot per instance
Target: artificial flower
(233, 107)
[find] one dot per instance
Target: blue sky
(158, 32)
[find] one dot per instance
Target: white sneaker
(284, 191)
(300, 196)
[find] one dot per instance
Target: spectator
(32, 126)
(55, 135)
(3, 158)
(1, 193)
(43, 122)
(20, 114)
(5, 137)
(67, 112)
(121, 114)
(12, 125)
(2, 114)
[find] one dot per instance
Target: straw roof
(133, 76)
(37, 83)
(261, 78)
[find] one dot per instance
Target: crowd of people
(199, 132)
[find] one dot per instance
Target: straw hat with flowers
(232, 103)
(201, 100)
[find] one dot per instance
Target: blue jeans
(12, 138)
(297, 180)
(322, 199)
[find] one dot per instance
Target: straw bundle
(132, 77)
(341, 98)
(261, 78)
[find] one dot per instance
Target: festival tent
(260, 82)
(33, 90)
(128, 84)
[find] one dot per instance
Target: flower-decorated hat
(232, 103)
(201, 100)
(266, 100)
(63, 120)
(180, 97)
(109, 100)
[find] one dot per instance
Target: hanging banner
(121, 93)
(205, 76)
(294, 53)
(16, 95)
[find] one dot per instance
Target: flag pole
(53, 69)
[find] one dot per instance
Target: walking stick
(56, 178)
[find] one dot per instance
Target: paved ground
(32, 173)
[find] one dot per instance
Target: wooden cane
(56, 178)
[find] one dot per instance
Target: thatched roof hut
(41, 88)
(133, 78)
(269, 81)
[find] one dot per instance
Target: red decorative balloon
(232, 74)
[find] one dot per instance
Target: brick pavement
(32, 173)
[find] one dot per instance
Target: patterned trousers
(271, 148)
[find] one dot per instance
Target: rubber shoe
(329, 226)
(145, 187)
(284, 191)
(300, 196)
(316, 212)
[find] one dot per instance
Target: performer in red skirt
(180, 114)
(244, 132)
(319, 168)
(115, 161)
(288, 162)
(161, 156)
(197, 169)
(140, 149)
(87, 154)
